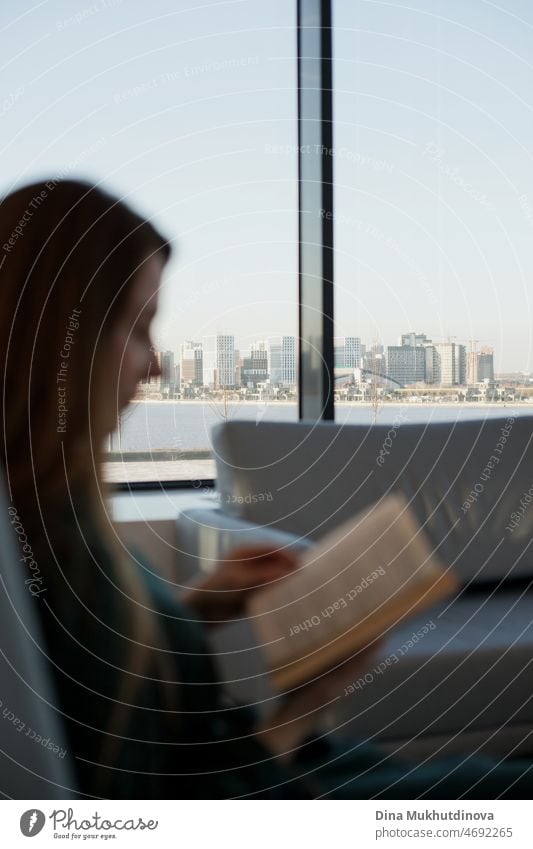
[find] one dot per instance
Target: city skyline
(417, 359)
(245, 342)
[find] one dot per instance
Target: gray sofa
(460, 675)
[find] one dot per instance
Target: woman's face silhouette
(133, 357)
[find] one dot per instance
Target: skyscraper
(472, 368)
(275, 363)
(375, 361)
(255, 367)
(347, 352)
(338, 354)
(352, 352)
(485, 367)
(192, 363)
(406, 364)
(168, 373)
(450, 364)
(226, 359)
(288, 360)
(431, 367)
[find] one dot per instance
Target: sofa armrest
(206, 536)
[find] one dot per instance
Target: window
(433, 208)
(188, 111)
(409, 152)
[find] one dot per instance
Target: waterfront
(184, 426)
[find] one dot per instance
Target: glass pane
(187, 110)
(434, 208)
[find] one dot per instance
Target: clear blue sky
(188, 109)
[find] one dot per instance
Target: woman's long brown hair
(68, 255)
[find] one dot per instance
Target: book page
(354, 574)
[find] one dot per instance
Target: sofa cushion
(469, 482)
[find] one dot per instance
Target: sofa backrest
(469, 482)
(34, 758)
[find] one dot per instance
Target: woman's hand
(223, 594)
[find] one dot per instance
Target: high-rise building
(168, 373)
(192, 363)
(238, 368)
(406, 364)
(255, 367)
(472, 368)
(450, 364)
(431, 367)
(460, 355)
(485, 368)
(288, 360)
(347, 352)
(226, 360)
(422, 363)
(338, 354)
(374, 362)
(275, 363)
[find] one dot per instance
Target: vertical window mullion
(315, 192)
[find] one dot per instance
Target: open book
(358, 582)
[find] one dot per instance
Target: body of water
(185, 426)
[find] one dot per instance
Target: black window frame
(315, 242)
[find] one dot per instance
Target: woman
(144, 713)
